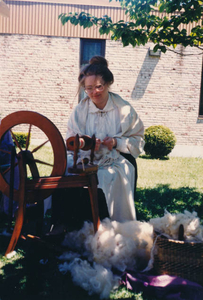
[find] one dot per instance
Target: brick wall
(40, 74)
(163, 90)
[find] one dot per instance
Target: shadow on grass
(151, 203)
(34, 274)
(144, 156)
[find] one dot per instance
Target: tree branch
(182, 54)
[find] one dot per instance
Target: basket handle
(181, 233)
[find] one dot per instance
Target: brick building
(40, 61)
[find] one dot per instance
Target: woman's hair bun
(98, 60)
(98, 66)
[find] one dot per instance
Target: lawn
(174, 184)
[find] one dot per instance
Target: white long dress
(116, 175)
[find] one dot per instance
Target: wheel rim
(53, 136)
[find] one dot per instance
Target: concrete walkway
(187, 151)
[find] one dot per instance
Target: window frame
(201, 96)
(82, 94)
(82, 45)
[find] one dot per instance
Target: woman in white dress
(117, 128)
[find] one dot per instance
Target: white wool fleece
(169, 225)
(94, 279)
(115, 244)
(118, 245)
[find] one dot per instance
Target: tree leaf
(143, 26)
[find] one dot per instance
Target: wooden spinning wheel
(37, 188)
(53, 136)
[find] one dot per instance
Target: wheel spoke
(42, 162)
(16, 142)
(5, 151)
(28, 137)
(9, 168)
(40, 146)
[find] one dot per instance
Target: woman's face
(97, 90)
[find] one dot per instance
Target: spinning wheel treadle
(38, 188)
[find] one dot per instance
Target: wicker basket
(179, 258)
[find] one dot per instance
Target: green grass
(174, 184)
(45, 154)
(123, 293)
(176, 172)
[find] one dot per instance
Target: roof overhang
(113, 3)
(4, 10)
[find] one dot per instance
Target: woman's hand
(109, 142)
(98, 143)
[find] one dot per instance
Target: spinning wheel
(36, 188)
(53, 136)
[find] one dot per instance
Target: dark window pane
(201, 95)
(88, 49)
(91, 47)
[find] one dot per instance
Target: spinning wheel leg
(94, 200)
(19, 221)
(12, 175)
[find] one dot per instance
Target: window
(89, 48)
(201, 95)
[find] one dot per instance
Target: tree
(143, 26)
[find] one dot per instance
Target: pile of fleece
(92, 257)
(115, 245)
(169, 225)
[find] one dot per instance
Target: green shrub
(159, 141)
(21, 137)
